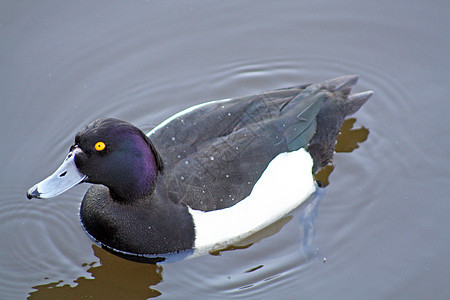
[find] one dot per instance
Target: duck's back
(185, 132)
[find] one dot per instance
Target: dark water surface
(382, 227)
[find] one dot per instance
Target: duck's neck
(139, 171)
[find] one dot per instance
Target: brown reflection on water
(347, 141)
(114, 278)
(349, 138)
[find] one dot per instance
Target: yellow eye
(99, 146)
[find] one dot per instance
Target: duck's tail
(338, 104)
(355, 101)
(343, 85)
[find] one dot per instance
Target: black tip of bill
(33, 193)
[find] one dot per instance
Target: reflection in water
(307, 218)
(349, 138)
(254, 269)
(347, 141)
(119, 278)
(114, 278)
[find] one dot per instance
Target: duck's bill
(65, 177)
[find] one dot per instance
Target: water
(381, 229)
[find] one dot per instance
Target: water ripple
(41, 236)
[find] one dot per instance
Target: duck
(210, 175)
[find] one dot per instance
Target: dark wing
(186, 132)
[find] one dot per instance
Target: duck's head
(109, 152)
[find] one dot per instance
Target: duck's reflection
(113, 278)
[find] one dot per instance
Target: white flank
(283, 186)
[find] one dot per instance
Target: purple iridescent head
(109, 152)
